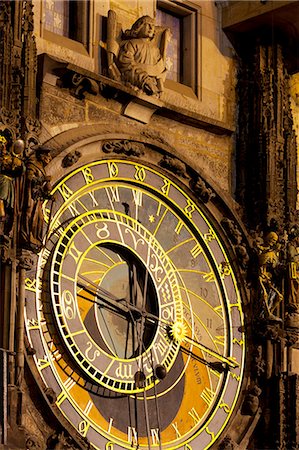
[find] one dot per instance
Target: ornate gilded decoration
(138, 280)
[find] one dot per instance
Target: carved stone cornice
(81, 82)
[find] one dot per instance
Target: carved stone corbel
(174, 165)
(204, 193)
(251, 403)
(71, 158)
(227, 444)
(61, 441)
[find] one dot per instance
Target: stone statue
(11, 166)
(140, 56)
(251, 402)
(60, 441)
(268, 262)
(292, 319)
(36, 189)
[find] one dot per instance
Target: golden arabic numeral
(225, 407)
(112, 169)
(211, 433)
(179, 227)
(65, 191)
(68, 305)
(225, 269)
(140, 173)
(109, 446)
(30, 285)
(166, 187)
(61, 397)
(189, 208)
(87, 174)
(43, 363)
(32, 324)
(187, 447)
(46, 212)
(210, 235)
(240, 342)
(83, 427)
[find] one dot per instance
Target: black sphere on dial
(160, 372)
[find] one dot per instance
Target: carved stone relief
(129, 148)
(71, 158)
(36, 189)
(137, 56)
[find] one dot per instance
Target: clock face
(135, 313)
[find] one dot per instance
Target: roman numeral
(207, 395)
(137, 197)
(194, 414)
(113, 194)
(195, 251)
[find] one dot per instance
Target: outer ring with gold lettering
(190, 406)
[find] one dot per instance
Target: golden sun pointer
(178, 331)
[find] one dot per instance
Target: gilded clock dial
(137, 320)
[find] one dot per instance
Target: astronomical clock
(137, 317)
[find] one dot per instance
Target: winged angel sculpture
(137, 56)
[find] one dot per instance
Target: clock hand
(109, 299)
(218, 366)
(175, 330)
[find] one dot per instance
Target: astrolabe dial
(137, 320)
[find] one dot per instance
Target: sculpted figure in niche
(36, 189)
(140, 59)
(268, 260)
(11, 166)
(293, 278)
